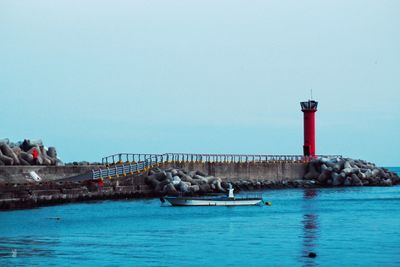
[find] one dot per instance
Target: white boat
(229, 200)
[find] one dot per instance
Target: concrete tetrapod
(349, 172)
(175, 180)
(7, 151)
(21, 153)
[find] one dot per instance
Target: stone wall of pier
(19, 190)
(273, 171)
(20, 174)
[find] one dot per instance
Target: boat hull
(212, 202)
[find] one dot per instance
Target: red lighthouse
(309, 108)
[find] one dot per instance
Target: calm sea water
(344, 226)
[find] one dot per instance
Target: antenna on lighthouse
(311, 93)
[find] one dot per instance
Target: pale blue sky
(99, 77)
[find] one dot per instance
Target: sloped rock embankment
(349, 172)
(320, 173)
(176, 180)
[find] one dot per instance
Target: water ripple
(357, 225)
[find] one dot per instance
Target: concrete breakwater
(19, 190)
(321, 172)
(31, 195)
(22, 174)
(189, 178)
(215, 177)
(271, 170)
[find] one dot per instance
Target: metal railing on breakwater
(124, 164)
(125, 158)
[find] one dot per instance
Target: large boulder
(46, 159)
(347, 181)
(200, 179)
(176, 180)
(160, 188)
(312, 172)
(194, 188)
(183, 187)
(204, 188)
(169, 189)
(26, 157)
(186, 178)
(355, 180)
(337, 179)
(52, 152)
(7, 151)
(386, 182)
(6, 159)
(169, 176)
(201, 173)
(152, 180)
(22, 161)
(326, 173)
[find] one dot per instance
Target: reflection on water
(26, 247)
(141, 233)
(310, 227)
